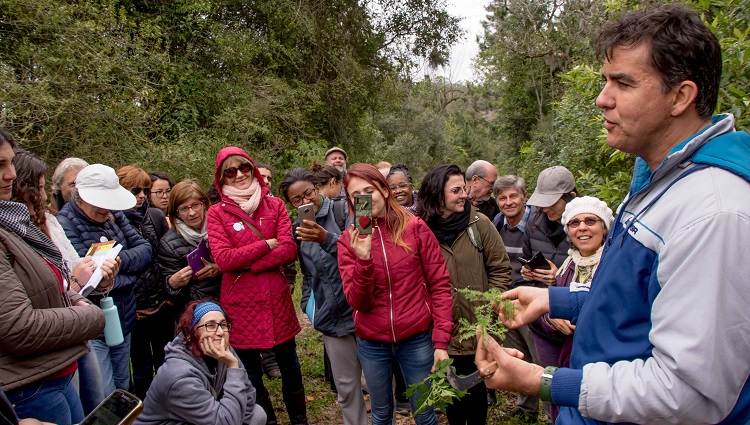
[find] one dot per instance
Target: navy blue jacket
(135, 254)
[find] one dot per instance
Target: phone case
(119, 408)
(363, 213)
(538, 261)
(194, 257)
(306, 212)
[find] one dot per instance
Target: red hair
(396, 216)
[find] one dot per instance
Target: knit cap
(203, 308)
(587, 205)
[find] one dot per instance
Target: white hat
(99, 186)
(587, 205)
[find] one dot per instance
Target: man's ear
(684, 97)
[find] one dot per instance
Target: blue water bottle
(112, 329)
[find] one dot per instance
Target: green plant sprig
(487, 319)
(435, 390)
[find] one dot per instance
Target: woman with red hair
(202, 380)
(396, 281)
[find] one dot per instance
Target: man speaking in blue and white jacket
(663, 333)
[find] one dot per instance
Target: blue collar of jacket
(717, 144)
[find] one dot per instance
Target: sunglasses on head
(231, 172)
(136, 190)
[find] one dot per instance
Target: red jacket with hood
(397, 293)
(254, 292)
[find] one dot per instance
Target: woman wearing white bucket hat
(94, 215)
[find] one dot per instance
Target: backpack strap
(340, 212)
(475, 238)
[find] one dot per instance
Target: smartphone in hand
(306, 212)
(363, 213)
(120, 408)
(537, 261)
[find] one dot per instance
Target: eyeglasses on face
(402, 186)
(246, 168)
(307, 196)
(162, 193)
(590, 221)
(136, 190)
(196, 206)
(490, 183)
(213, 326)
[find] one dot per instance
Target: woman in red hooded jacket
(398, 285)
(250, 236)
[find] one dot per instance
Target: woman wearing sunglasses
(202, 381)
(155, 325)
(187, 208)
(250, 235)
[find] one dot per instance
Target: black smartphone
(306, 212)
(537, 261)
(120, 408)
(363, 213)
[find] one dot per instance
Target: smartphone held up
(363, 213)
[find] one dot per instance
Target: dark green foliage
(435, 390)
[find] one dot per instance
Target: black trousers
(472, 408)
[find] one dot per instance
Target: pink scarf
(247, 199)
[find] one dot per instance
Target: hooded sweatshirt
(185, 391)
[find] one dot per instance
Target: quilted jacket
(173, 251)
(397, 293)
(254, 292)
(135, 255)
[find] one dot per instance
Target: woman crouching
(202, 380)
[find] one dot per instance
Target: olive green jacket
(470, 269)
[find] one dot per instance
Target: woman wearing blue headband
(202, 379)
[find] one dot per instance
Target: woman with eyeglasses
(187, 208)
(202, 380)
(396, 281)
(402, 186)
(460, 229)
(161, 186)
(250, 235)
(155, 325)
(322, 292)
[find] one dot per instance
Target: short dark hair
(431, 192)
(292, 177)
(6, 137)
(160, 175)
(682, 48)
(324, 173)
(400, 168)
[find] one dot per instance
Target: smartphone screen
(306, 212)
(363, 213)
(120, 407)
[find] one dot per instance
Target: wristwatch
(545, 388)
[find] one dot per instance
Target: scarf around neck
(248, 199)
(15, 217)
(447, 229)
(585, 267)
(190, 235)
